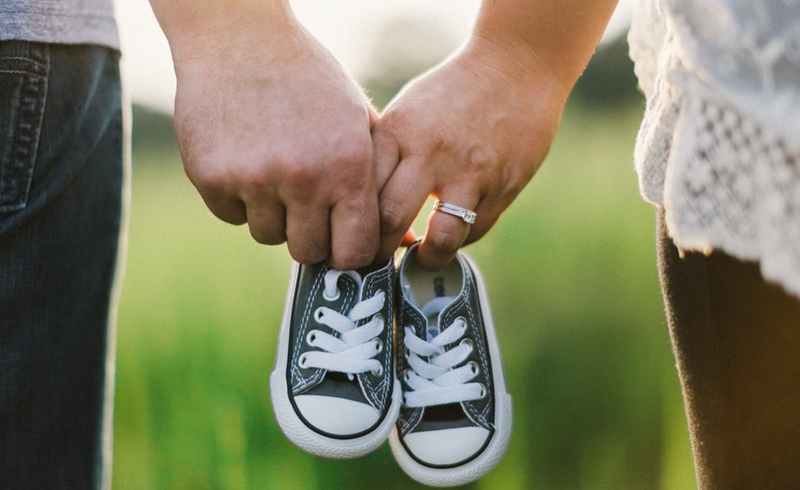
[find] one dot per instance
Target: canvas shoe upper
(455, 421)
(334, 389)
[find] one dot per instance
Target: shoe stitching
(308, 380)
(300, 381)
(377, 394)
(409, 418)
(480, 417)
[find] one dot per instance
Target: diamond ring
(465, 214)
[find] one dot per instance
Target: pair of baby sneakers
(345, 379)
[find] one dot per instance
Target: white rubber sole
(295, 429)
(494, 452)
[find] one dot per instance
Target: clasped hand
(274, 133)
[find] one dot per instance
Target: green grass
(571, 274)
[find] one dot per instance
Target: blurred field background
(571, 274)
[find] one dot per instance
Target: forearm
(196, 27)
(534, 35)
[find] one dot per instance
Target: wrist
(552, 39)
(513, 62)
(201, 28)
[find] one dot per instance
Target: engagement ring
(445, 207)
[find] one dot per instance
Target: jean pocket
(23, 90)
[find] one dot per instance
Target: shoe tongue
(431, 311)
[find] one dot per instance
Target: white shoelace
(437, 380)
(354, 349)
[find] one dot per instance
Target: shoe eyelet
(378, 346)
(406, 376)
(484, 391)
(318, 314)
(302, 362)
(462, 320)
(474, 368)
(377, 373)
(406, 352)
(311, 337)
(468, 342)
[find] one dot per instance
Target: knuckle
(347, 162)
(267, 237)
(437, 142)
(482, 159)
(353, 152)
(206, 174)
(392, 218)
(300, 170)
(352, 259)
(352, 166)
(227, 215)
(307, 255)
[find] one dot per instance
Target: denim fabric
(61, 180)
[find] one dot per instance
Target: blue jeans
(61, 200)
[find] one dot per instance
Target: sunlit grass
(571, 275)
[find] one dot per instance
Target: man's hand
(272, 131)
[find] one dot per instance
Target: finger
(400, 202)
(267, 222)
(355, 231)
(445, 233)
(308, 232)
(387, 154)
(373, 115)
(487, 214)
(229, 210)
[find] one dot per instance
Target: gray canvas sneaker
(455, 422)
(334, 389)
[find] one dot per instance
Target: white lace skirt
(719, 147)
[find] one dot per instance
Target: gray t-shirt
(59, 21)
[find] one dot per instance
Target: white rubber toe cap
(336, 416)
(447, 446)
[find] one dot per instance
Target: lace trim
(728, 176)
(725, 181)
(748, 52)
